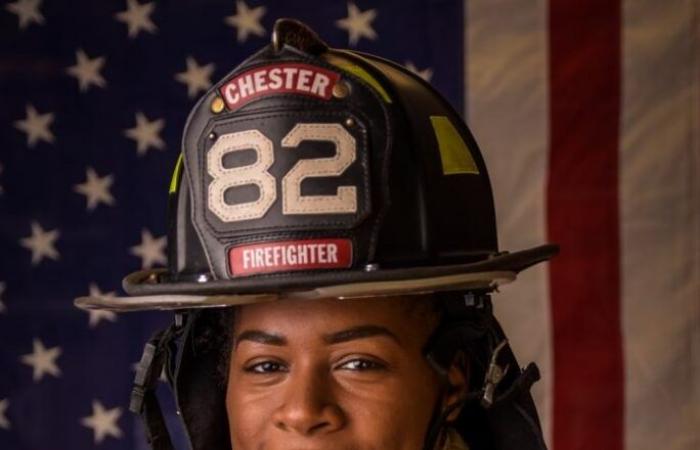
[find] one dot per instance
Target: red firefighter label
(294, 78)
(284, 256)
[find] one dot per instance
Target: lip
(325, 446)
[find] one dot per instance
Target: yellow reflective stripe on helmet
(454, 153)
(360, 73)
(176, 175)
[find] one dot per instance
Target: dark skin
(335, 374)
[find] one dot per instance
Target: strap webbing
(144, 401)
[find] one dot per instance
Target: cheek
(393, 413)
(387, 411)
(249, 413)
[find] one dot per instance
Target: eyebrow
(349, 334)
(360, 332)
(261, 337)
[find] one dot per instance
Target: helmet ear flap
(469, 327)
(199, 363)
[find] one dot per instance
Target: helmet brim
(147, 292)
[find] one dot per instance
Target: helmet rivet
(371, 267)
(217, 105)
(341, 89)
(349, 122)
(212, 136)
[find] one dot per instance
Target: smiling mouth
(325, 446)
(329, 446)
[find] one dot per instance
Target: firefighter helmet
(316, 172)
(313, 172)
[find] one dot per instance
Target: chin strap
(144, 401)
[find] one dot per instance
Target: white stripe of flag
(507, 80)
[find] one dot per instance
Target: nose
(309, 406)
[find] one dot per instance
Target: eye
(361, 364)
(266, 367)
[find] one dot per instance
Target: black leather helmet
(312, 172)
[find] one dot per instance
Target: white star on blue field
(95, 95)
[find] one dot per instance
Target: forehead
(409, 316)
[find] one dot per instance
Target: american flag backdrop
(588, 115)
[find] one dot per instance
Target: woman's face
(331, 374)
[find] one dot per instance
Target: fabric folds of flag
(600, 154)
(588, 115)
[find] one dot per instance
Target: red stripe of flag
(582, 197)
